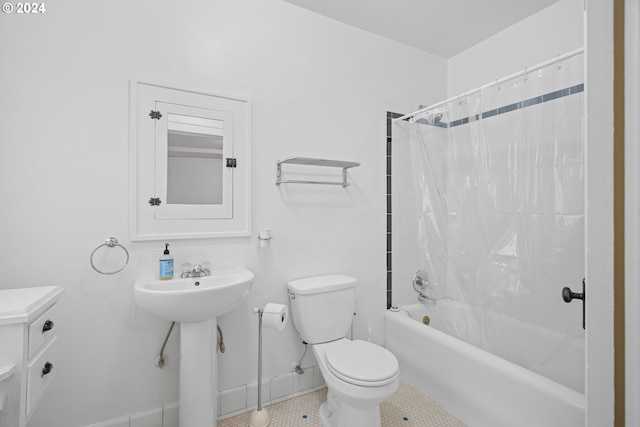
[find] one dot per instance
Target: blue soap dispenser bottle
(166, 264)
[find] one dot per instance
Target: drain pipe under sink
(160, 361)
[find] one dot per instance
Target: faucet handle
(186, 270)
(206, 268)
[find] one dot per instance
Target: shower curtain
(488, 201)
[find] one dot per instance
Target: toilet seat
(361, 363)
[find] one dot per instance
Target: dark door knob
(567, 295)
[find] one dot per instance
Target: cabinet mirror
(190, 155)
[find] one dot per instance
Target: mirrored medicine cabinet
(189, 163)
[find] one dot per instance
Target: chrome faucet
(198, 271)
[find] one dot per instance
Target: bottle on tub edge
(166, 264)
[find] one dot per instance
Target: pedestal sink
(196, 302)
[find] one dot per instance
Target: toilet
(359, 375)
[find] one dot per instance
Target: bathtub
(477, 387)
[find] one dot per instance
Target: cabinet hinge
(155, 201)
(155, 114)
(231, 162)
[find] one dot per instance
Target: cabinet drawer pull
(48, 367)
(48, 325)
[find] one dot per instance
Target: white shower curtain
(491, 206)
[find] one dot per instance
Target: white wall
(551, 32)
(319, 88)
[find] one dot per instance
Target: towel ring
(110, 243)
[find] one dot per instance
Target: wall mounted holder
(111, 242)
(264, 238)
(309, 161)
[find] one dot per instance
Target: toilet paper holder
(264, 237)
(260, 417)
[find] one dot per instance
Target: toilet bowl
(359, 375)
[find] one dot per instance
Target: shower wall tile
(389, 203)
(405, 204)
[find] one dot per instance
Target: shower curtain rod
(496, 82)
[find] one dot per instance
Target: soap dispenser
(166, 264)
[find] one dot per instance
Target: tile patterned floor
(405, 408)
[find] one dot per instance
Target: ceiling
(441, 27)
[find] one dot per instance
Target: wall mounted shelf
(309, 161)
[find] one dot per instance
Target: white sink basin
(193, 299)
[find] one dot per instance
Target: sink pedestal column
(198, 374)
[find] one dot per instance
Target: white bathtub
(479, 388)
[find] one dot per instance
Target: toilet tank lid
(319, 284)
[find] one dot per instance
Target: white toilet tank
(322, 307)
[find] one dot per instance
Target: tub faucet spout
(425, 299)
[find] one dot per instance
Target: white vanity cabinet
(28, 350)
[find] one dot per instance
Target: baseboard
(232, 401)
